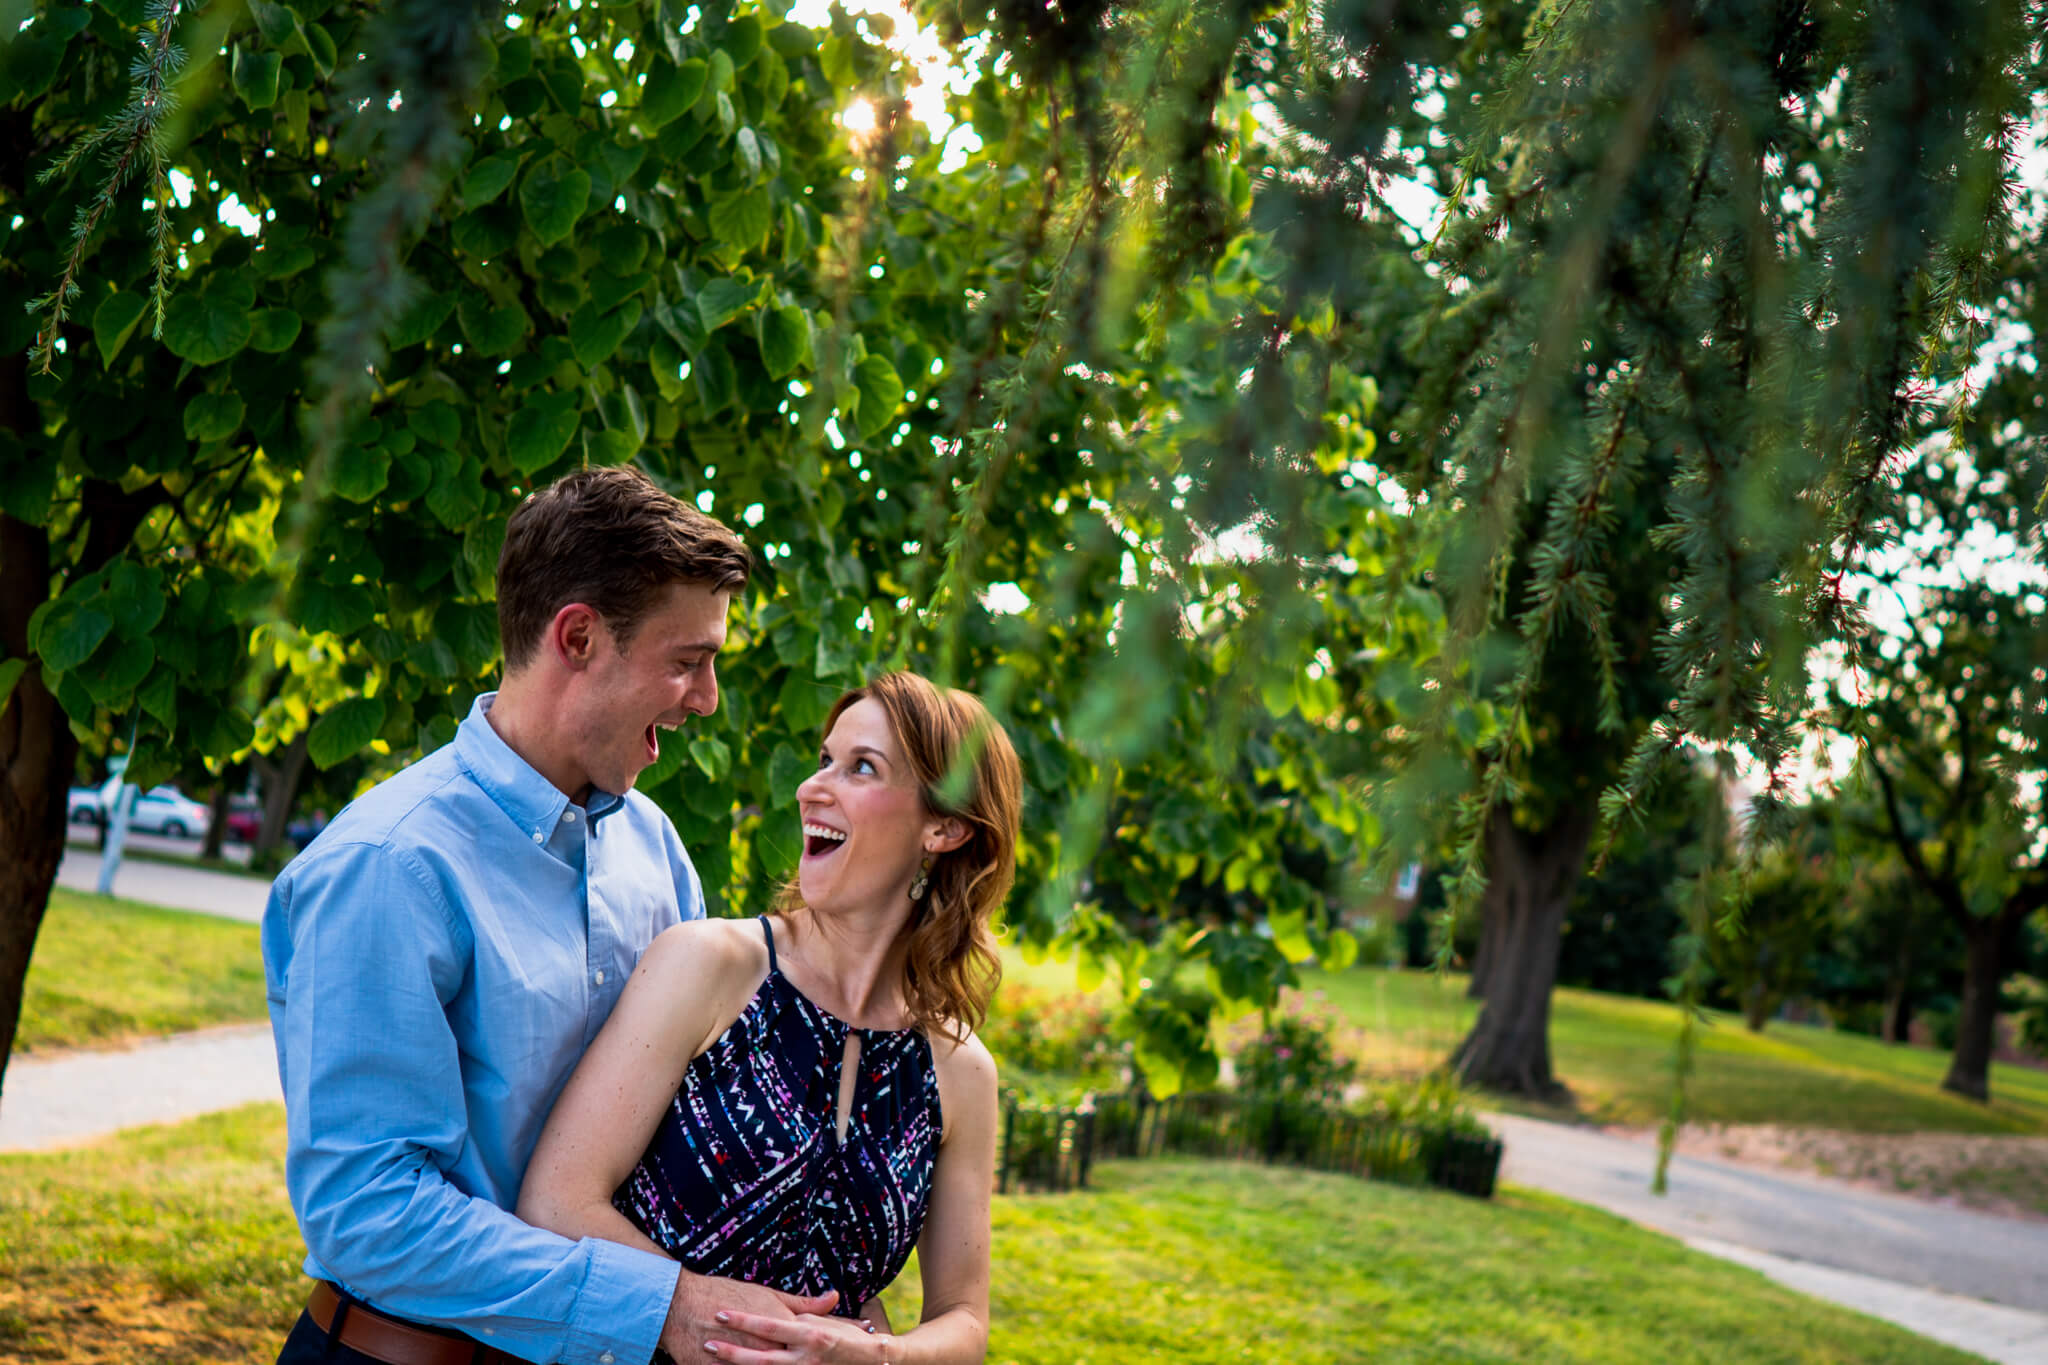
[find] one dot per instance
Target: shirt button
(538, 837)
(600, 981)
(569, 817)
(605, 1359)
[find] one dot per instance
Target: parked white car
(84, 807)
(168, 811)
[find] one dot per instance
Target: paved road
(1809, 1219)
(155, 883)
(1926, 1267)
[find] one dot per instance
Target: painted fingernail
(711, 1348)
(722, 1317)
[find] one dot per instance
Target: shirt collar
(534, 803)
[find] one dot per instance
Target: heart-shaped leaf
(436, 422)
(254, 76)
(553, 196)
(742, 39)
(420, 321)
(669, 91)
(205, 327)
(492, 328)
(345, 731)
(593, 336)
(881, 393)
(720, 301)
(360, 472)
(70, 631)
(212, 417)
(488, 178)
(785, 336)
(113, 322)
(273, 329)
(540, 431)
(711, 756)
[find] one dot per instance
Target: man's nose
(702, 699)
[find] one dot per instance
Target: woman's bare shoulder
(699, 949)
(964, 1060)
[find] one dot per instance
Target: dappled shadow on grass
(175, 1244)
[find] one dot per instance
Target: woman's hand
(802, 1340)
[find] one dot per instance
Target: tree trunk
(1757, 1009)
(1530, 880)
(1485, 955)
(1898, 1000)
(280, 775)
(1990, 943)
(216, 822)
(37, 752)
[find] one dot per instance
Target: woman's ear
(945, 834)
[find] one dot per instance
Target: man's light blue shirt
(438, 960)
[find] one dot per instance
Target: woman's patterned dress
(746, 1176)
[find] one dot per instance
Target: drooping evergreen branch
(405, 101)
(130, 139)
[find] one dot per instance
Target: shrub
(1052, 1044)
(1295, 1058)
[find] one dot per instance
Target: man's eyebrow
(701, 646)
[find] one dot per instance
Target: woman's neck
(850, 962)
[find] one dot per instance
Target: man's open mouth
(820, 840)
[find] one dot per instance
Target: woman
(798, 1100)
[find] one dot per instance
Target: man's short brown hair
(612, 540)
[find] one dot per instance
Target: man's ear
(573, 635)
(945, 834)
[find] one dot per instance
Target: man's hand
(698, 1298)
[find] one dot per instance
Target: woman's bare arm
(690, 985)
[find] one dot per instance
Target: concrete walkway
(167, 884)
(1969, 1279)
(2009, 1335)
(55, 1101)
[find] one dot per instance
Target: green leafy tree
(495, 249)
(1695, 264)
(1953, 732)
(1769, 956)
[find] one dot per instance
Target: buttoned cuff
(625, 1299)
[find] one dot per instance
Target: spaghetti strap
(769, 934)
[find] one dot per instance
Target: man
(440, 957)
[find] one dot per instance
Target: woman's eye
(861, 765)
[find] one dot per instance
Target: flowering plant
(1042, 1035)
(1295, 1057)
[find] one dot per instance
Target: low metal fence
(1050, 1147)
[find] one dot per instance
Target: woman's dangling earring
(924, 878)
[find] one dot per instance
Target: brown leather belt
(394, 1342)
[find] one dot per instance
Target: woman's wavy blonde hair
(951, 969)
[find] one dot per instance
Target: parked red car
(244, 819)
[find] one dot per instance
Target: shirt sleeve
(362, 954)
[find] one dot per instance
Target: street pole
(118, 808)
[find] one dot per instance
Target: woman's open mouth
(820, 840)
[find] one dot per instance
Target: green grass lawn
(1615, 1054)
(106, 971)
(175, 1245)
